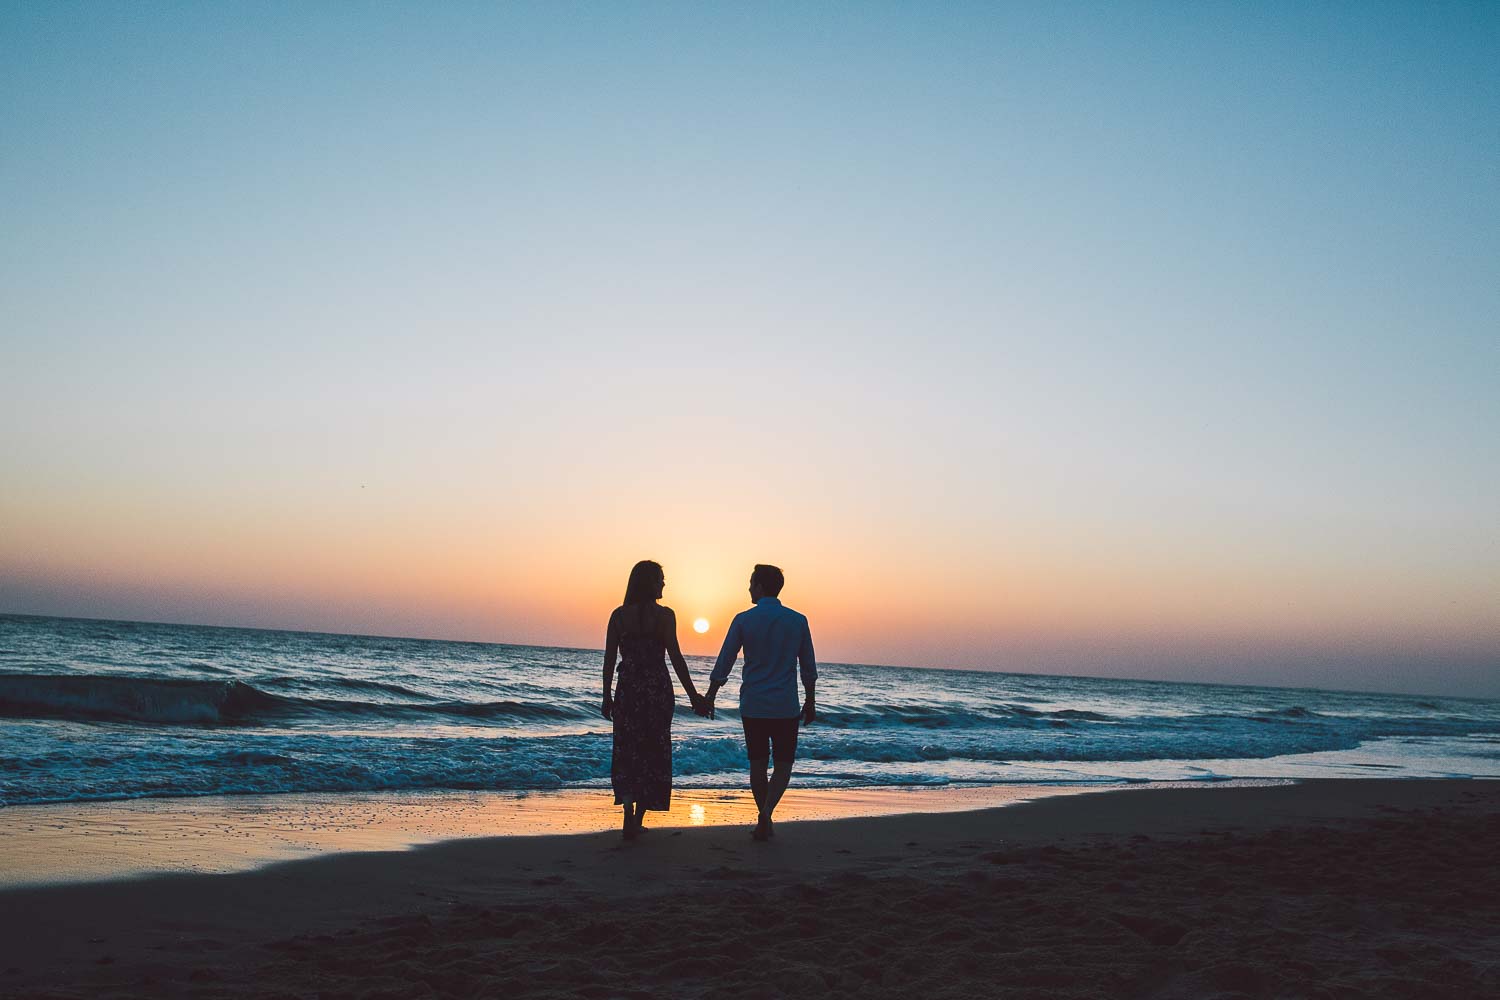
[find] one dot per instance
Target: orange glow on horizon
(874, 593)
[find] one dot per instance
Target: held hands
(608, 708)
(809, 712)
(701, 705)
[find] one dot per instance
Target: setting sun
(700, 625)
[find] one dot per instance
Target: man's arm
(809, 664)
(733, 640)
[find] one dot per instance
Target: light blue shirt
(775, 639)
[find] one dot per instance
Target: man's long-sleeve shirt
(775, 640)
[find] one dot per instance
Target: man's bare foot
(762, 830)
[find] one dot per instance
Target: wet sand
(95, 841)
(1323, 889)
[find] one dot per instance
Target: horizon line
(836, 663)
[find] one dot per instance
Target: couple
(643, 634)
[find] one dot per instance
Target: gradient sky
(1094, 338)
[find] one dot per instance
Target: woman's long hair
(640, 592)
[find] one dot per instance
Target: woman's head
(646, 582)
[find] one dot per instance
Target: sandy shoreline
(94, 841)
(1327, 889)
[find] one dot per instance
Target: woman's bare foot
(628, 827)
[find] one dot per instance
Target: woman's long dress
(641, 767)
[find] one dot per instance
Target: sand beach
(1352, 888)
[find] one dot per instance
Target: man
(775, 639)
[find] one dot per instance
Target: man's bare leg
(758, 783)
(759, 787)
(781, 776)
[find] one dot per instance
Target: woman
(643, 634)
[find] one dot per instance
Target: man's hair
(768, 578)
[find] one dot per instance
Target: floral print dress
(641, 766)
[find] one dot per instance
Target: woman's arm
(611, 649)
(669, 627)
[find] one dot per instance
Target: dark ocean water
(113, 710)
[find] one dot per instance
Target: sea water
(99, 710)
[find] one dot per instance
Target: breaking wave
(170, 701)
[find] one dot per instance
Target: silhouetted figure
(643, 634)
(775, 639)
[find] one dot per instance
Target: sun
(700, 625)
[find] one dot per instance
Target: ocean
(100, 710)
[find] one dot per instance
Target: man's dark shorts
(772, 738)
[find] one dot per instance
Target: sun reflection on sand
(81, 841)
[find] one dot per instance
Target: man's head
(765, 581)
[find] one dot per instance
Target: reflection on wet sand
(86, 841)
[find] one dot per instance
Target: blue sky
(1120, 334)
